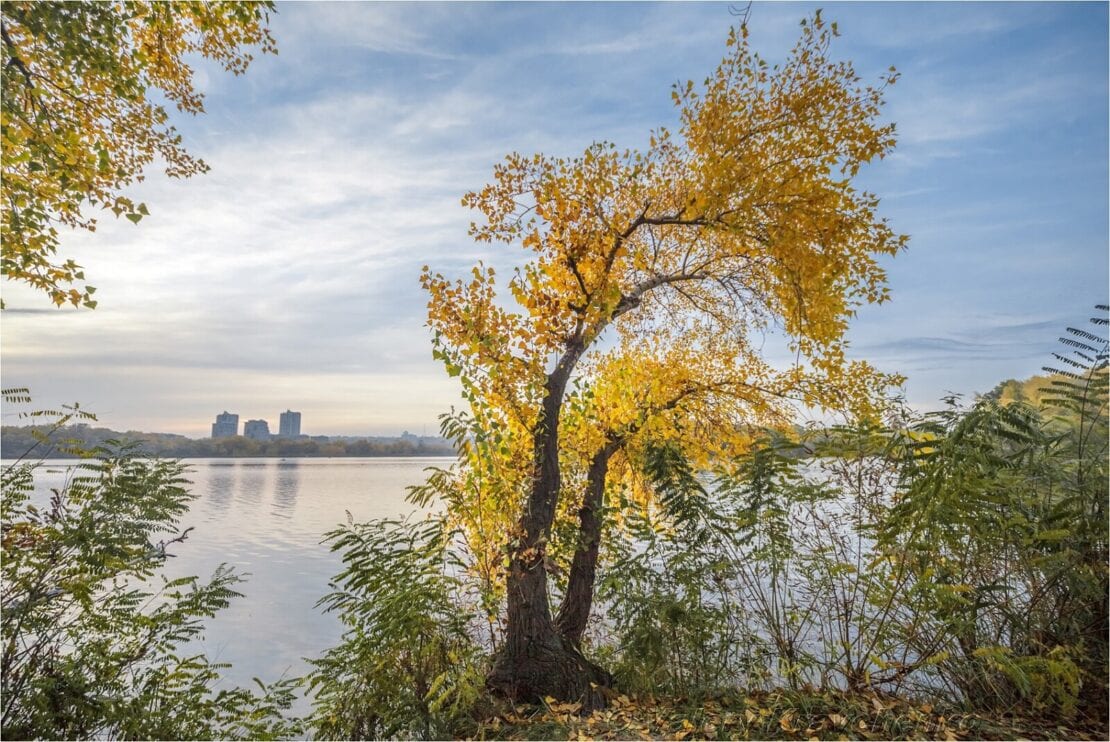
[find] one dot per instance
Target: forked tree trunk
(574, 613)
(535, 661)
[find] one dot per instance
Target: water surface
(266, 517)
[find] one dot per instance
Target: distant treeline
(15, 441)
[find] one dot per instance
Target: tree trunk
(574, 613)
(535, 661)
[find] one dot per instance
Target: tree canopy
(86, 86)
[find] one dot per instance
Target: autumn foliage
(85, 90)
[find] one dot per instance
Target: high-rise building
(259, 430)
(226, 425)
(290, 425)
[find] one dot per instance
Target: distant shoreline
(63, 458)
(17, 441)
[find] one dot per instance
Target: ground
(768, 715)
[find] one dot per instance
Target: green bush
(407, 665)
(1001, 520)
(93, 635)
(960, 555)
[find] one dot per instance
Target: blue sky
(287, 276)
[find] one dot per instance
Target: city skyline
(290, 270)
(227, 424)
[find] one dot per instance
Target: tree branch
(631, 300)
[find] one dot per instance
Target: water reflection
(253, 475)
(286, 487)
(221, 486)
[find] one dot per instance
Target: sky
(287, 276)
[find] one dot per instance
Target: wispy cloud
(948, 111)
(386, 28)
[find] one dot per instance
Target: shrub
(407, 665)
(94, 638)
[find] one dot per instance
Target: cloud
(980, 339)
(379, 27)
(932, 26)
(911, 350)
(296, 257)
(939, 113)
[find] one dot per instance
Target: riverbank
(768, 715)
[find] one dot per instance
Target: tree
(82, 117)
(747, 217)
